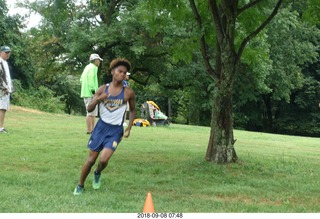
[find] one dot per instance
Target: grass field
(42, 156)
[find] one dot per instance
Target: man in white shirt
(5, 85)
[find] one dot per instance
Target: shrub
(41, 99)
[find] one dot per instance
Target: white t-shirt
(8, 77)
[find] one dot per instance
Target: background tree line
(276, 88)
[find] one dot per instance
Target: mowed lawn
(42, 156)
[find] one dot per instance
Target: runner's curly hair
(120, 61)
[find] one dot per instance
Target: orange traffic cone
(148, 205)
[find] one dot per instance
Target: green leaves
(311, 12)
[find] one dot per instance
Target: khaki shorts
(86, 103)
(5, 102)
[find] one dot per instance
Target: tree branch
(141, 80)
(216, 18)
(204, 48)
(257, 31)
(249, 5)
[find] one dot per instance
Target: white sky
(34, 18)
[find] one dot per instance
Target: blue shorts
(105, 136)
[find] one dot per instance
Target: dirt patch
(19, 108)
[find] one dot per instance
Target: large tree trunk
(221, 143)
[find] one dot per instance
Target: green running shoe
(96, 183)
(78, 190)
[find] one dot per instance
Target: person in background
(6, 86)
(126, 84)
(89, 85)
(107, 134)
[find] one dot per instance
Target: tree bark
(221, 142)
